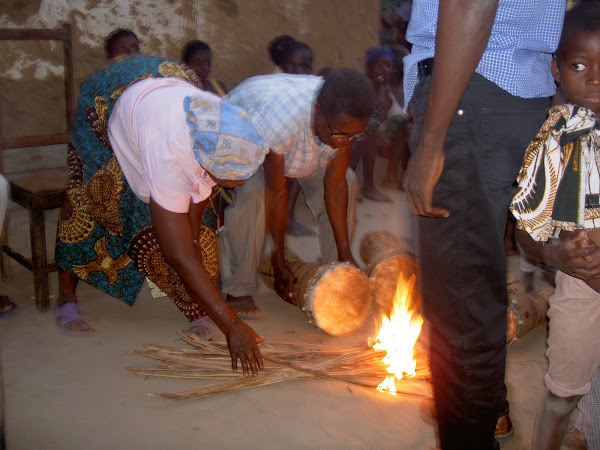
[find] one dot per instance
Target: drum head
(341, 300)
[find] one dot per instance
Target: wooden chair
(40, 189)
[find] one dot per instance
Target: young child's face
(380, 69)
(578, 71)
(199, 62)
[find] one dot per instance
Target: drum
(526, 312)
(334, 296)
(380, 250)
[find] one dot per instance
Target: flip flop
(67, 313)
(204, 328)
(10, 311)
(245, 307)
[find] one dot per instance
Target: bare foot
(375, 195)
(245, 307)
(297, 229)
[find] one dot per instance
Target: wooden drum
(380, 250)
(526, 312)
(334, 296)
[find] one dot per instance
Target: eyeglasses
(341, 137)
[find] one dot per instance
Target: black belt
(425, 67)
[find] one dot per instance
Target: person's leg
(241, 245)
(294, 227)
(313, 191)
(367, 148)
(573, 357)
(551, 420)
(588, 420)
(527, 267)
(462, 258)
(399, 156)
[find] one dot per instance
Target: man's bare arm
(336, 201)
(276, 203)
(464, 28)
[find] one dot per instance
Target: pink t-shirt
(151, 140)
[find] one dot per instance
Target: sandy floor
(65, 392)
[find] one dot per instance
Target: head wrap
(404, 10)
(381, 51)
(226, 143)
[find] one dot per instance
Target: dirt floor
(65, 392)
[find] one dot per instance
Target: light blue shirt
(519, 52)
(281, 107)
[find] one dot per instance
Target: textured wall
(237, 30)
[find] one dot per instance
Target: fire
(398, 335)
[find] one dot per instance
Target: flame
(398, 335)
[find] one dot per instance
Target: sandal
(245, 307)
(67, 313)
(5, 302)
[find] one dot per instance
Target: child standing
(559, 201)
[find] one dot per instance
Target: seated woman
(149, 146)
(197, 56)
(387, 132)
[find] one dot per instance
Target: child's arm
(576, 254)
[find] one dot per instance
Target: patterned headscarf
(226, 143)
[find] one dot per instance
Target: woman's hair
(191, 47)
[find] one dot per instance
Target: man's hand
(284, 278)
(243, 345)
(347, 257)
(576, 255)
(422, 174)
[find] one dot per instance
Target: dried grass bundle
(284, 361)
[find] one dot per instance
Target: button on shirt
(519, 52)
(281, 107)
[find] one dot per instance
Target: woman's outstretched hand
(243, 341)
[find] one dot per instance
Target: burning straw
(360, 366)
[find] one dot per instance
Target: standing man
(480, 81)
(308, 123)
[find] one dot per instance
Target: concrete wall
(31, 81)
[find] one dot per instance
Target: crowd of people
(459, 104)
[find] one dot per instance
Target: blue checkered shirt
(518, 55)
(281, 106)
